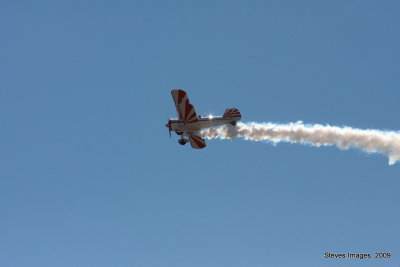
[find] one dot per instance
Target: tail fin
(232, 113)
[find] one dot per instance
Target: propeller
(168, 125)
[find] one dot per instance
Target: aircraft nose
(168, 125)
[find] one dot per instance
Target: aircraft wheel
(234, 123)
(178, 133)
(182, 142)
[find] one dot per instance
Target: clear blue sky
(89, 176)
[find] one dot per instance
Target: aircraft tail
(232, 113)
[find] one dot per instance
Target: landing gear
(183, 141)
(234, 123)
(178, 133)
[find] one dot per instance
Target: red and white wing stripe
(196, 141)
(232, 112)
(185, 110)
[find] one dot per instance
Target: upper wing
(185, 110)
(196, 141)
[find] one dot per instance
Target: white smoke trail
(372, 141)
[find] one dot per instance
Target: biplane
(189, 124)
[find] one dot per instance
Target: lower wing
(196, 141)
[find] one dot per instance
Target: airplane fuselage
(202, 123)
